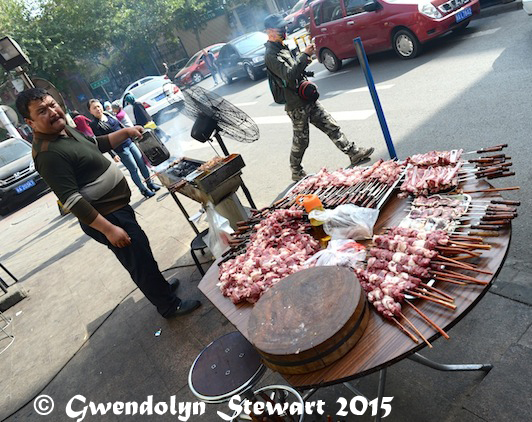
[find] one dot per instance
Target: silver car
(156, 93)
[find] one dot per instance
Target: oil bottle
(312, 202)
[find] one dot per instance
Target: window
(354, 7)
(327, 11)
(250, 42)
(298, 6)
(12, 151)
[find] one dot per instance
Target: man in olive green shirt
(96, 192)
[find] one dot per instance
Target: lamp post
(13, 58)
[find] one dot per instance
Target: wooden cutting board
(309, 319)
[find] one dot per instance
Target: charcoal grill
(217, 185)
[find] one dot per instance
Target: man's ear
(29, 122)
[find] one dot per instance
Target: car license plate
(25, 186)
(463, 14)
(160, 97)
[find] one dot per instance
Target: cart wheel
(274, 394)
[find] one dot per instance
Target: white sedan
(155, 93)
(527, 5)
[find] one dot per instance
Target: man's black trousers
(138, 260)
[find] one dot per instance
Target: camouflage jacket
(290, 70)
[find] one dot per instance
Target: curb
(500, 8)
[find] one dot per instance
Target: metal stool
(230, 366)
(4, 323)
(198, 244)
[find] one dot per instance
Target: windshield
(192, 59)
(147, 87)
(297, 7)
(252, 42)
(12, 151)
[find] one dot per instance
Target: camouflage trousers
(319, 117)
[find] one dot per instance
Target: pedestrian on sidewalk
(142, 117)
(120, 114)
(130, 155)
(96, 192)
(82, 123)
(288, 73)
(210, 61)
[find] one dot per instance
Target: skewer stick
(429, 293)
(491, 190)
(426, 318)
(404, 330)
(416, 330)
(472, 245)
(448, 280)
(469, 238)
(466, 277)
(430, 299)
(454, 264)
(426, 286)
(454, 261)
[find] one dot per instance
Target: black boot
(153, 187)
(147, 193)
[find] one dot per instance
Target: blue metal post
(363, 60)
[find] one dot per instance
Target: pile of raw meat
(386, 172)
(279, 247)
(424, 181)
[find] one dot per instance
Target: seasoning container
(312, 202)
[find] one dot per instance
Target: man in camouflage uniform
(290, 70)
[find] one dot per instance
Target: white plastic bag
(217, 239)
(340, 253)
(347, 221)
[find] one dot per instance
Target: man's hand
(116, 158)
(117, 236)
(310, 50)
(135, 132)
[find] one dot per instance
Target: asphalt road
(467, 91)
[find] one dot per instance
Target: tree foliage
(64, 36)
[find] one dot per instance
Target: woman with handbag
(104, 123)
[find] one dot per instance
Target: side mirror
(371, 6)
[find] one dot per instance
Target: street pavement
(85, 329)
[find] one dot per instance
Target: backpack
(276, 87)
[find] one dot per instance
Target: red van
(401, 25)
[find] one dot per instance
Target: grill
(217, 185)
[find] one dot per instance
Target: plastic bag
(217, 239)
(340, 253)
(347, 221)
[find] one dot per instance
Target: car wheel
(460, 29)
(406, 44)
(196, 77)
(227, 79)
(330, 61)
(301, 22)
(250, 72)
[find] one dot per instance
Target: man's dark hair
(90, 102)
(26, 97)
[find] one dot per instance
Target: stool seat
(198, 244)
(228, 366)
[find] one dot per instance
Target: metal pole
(106, 94)
(416, 357)
(8, 125)
(363, 60)
(24, 76)
(10, 275)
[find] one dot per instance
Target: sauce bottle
(312, 202)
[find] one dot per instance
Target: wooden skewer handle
(492, 149)
(492, 190)
(499, 175)
(486, 227)
(506, 202)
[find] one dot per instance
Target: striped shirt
(74, 167)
